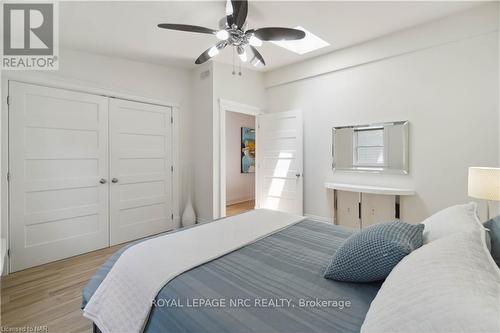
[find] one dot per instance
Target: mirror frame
(404, 171)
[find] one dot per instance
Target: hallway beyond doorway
(240, 207)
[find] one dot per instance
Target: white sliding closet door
(58, 150)
(140, 170)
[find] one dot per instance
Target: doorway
(240, 162)
(237, 159)
(279, 160)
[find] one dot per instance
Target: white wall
(211, 82)
(202, 136)
(126, 77)
(247, 89)
(442, 77)
(239, 186)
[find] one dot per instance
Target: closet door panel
(58, 152)
(140, 161)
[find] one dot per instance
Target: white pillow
(449, 285)
(451, 220)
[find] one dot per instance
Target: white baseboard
(237, 201)
(177, 222)
(201, 220)
(319, 218)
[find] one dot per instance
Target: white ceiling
(128, 29)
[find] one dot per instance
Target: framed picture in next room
(247, 150)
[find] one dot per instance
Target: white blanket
(123, 300)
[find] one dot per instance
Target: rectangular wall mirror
(379, 147)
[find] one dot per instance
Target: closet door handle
(114, 180)
(102, 181)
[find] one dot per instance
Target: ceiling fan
(232, 31)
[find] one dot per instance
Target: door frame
(219, 165)
(51, 82)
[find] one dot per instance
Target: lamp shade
(484, 183)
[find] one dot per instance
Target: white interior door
(140, 170)
(279, 166)
(58, 150)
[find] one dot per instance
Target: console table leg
(335, 221)
(397, 208)
(359, 210)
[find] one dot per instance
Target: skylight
(309, 43)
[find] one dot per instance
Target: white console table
(370, 189)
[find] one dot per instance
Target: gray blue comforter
(273, 285)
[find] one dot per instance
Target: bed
(277, 280)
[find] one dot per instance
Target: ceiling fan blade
(239, 12)
(277, 34)
(240, 15)
(205, 56)
(187, 27)
(229, 13)
(256, 58)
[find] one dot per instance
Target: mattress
(273, 285)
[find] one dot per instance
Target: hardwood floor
(240, 207)
(50, 295)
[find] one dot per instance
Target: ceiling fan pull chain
(239, 70)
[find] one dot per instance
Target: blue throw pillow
(370, 254)
(493, 226)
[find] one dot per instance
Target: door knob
(297, 175)
(102, 181)
(114, 180)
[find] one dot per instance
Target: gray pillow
(493, 226)
(370, 254)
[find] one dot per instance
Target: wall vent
(205, 74)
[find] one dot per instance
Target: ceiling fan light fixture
(242, 53)
(222, 34)
(254, 41)
(214, 50)
(243, 56)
